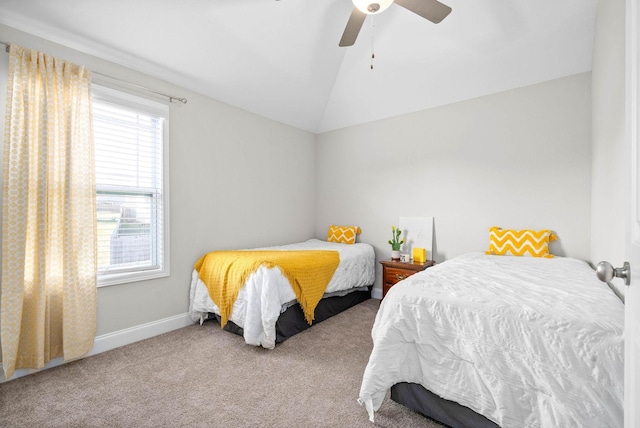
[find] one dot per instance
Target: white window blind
(129, 138)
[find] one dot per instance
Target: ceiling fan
(432, 10)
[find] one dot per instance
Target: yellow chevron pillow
(343, 234)
(507, 242)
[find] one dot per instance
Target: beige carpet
(203, 376)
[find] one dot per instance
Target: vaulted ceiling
(280, 59)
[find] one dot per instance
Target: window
(130, 135)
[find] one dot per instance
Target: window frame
(152, 106)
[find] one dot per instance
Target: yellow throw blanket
(308, 271)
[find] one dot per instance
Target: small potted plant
(395, 242)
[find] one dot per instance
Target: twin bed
(266, 310)
(484, 341)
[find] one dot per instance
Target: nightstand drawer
(394, 275)
(395, 271)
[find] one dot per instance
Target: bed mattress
(526, 342)
(267, 293)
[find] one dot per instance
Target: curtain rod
(171, 97)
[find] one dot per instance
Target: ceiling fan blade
(353, 28)
(432, 10)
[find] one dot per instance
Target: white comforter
(526, 342)
(267, 292)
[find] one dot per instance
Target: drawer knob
(400, 277)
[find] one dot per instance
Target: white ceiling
(281, 60)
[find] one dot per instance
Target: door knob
(606, 272)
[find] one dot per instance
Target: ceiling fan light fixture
(372, 7)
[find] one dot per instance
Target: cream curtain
(48, 301)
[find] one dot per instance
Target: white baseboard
(376, 293)
(106, 342)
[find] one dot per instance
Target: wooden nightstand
(395, 271)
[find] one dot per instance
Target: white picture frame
(417, 232)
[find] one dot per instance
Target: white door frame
(632, 297)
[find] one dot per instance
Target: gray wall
(608, 203)
(236, 180)
(516, 159)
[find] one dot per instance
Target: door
(632, 298)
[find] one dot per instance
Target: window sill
(107, 280)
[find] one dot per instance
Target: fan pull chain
(373, 55)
